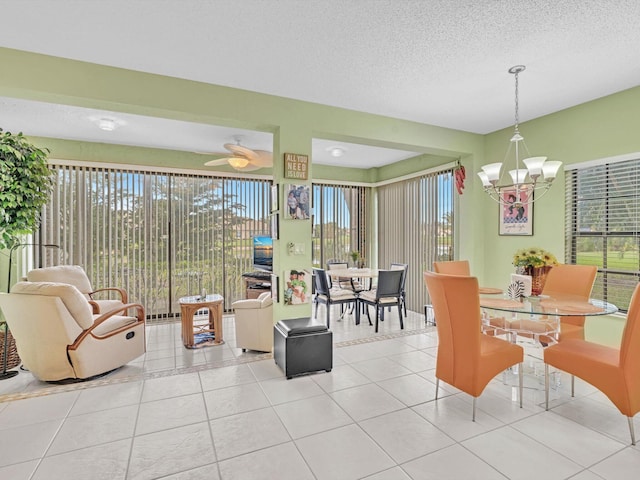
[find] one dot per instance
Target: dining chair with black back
(404, 267)
(331, 296)
(388, 293)
(613, 371)
(466, 358)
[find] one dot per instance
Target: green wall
(293, 123)
(602, 128)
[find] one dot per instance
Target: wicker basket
(13, 360)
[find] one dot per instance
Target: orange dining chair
(461, 267)
(613, 371)
(455, 267)
(467, 359)
(575, 280)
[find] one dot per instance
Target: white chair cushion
(260, 302)
(75, 302)
(71, 274)
(113, 323)
(369, 295)
(341, 294)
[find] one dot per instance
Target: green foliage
(534, 257)
(25, 181)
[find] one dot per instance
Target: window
(339, 222)
(602, 224)
(158, 235)
(415, 222)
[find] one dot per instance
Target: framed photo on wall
(298, 202)
(274, 198)
(275, 287)
(516, 215)
(275, 225)
(297, 287)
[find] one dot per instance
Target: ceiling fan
(242, 158)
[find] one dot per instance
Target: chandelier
(537, 175)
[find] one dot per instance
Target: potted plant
(355, 255)
(535, 262)
(25, 181)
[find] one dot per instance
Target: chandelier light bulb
(525, 180)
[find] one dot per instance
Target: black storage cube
(302, 345)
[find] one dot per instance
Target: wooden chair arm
(105, 316)
(94, 307)
(124, 296)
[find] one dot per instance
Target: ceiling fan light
(238, 162)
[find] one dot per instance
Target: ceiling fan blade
(249, 168)
(238, 150)
(262, 158)
(217, 162)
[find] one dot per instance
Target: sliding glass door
(158, 235)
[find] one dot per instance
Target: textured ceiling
(441, 62)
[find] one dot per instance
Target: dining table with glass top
(538, 316)
(354, 273)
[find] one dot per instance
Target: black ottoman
(302, 345)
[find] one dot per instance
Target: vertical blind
(160, 236)
(602, 224)
(415, 221)
(339, 222)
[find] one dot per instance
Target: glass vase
(538, 278)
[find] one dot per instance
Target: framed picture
(516, 215)
(296, 166)
(274, 288)
(274, 198)
(297, 287)
(275, 225)
(298, 201)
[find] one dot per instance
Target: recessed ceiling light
(336, 151)
(107, 124)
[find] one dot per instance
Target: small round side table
(212, 331)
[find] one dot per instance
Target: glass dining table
(537, 316)
(534, 322)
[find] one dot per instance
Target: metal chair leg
(546, 386)
(328, 315)
(437, 387)
(573, 385)
(473, 416)
(633, 435)
(520, 381)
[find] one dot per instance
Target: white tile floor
(217, 413)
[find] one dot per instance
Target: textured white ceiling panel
(442, 62)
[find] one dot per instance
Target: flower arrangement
(534, 257)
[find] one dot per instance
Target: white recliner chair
(59, 337)
(254, 323)
(76, 276)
